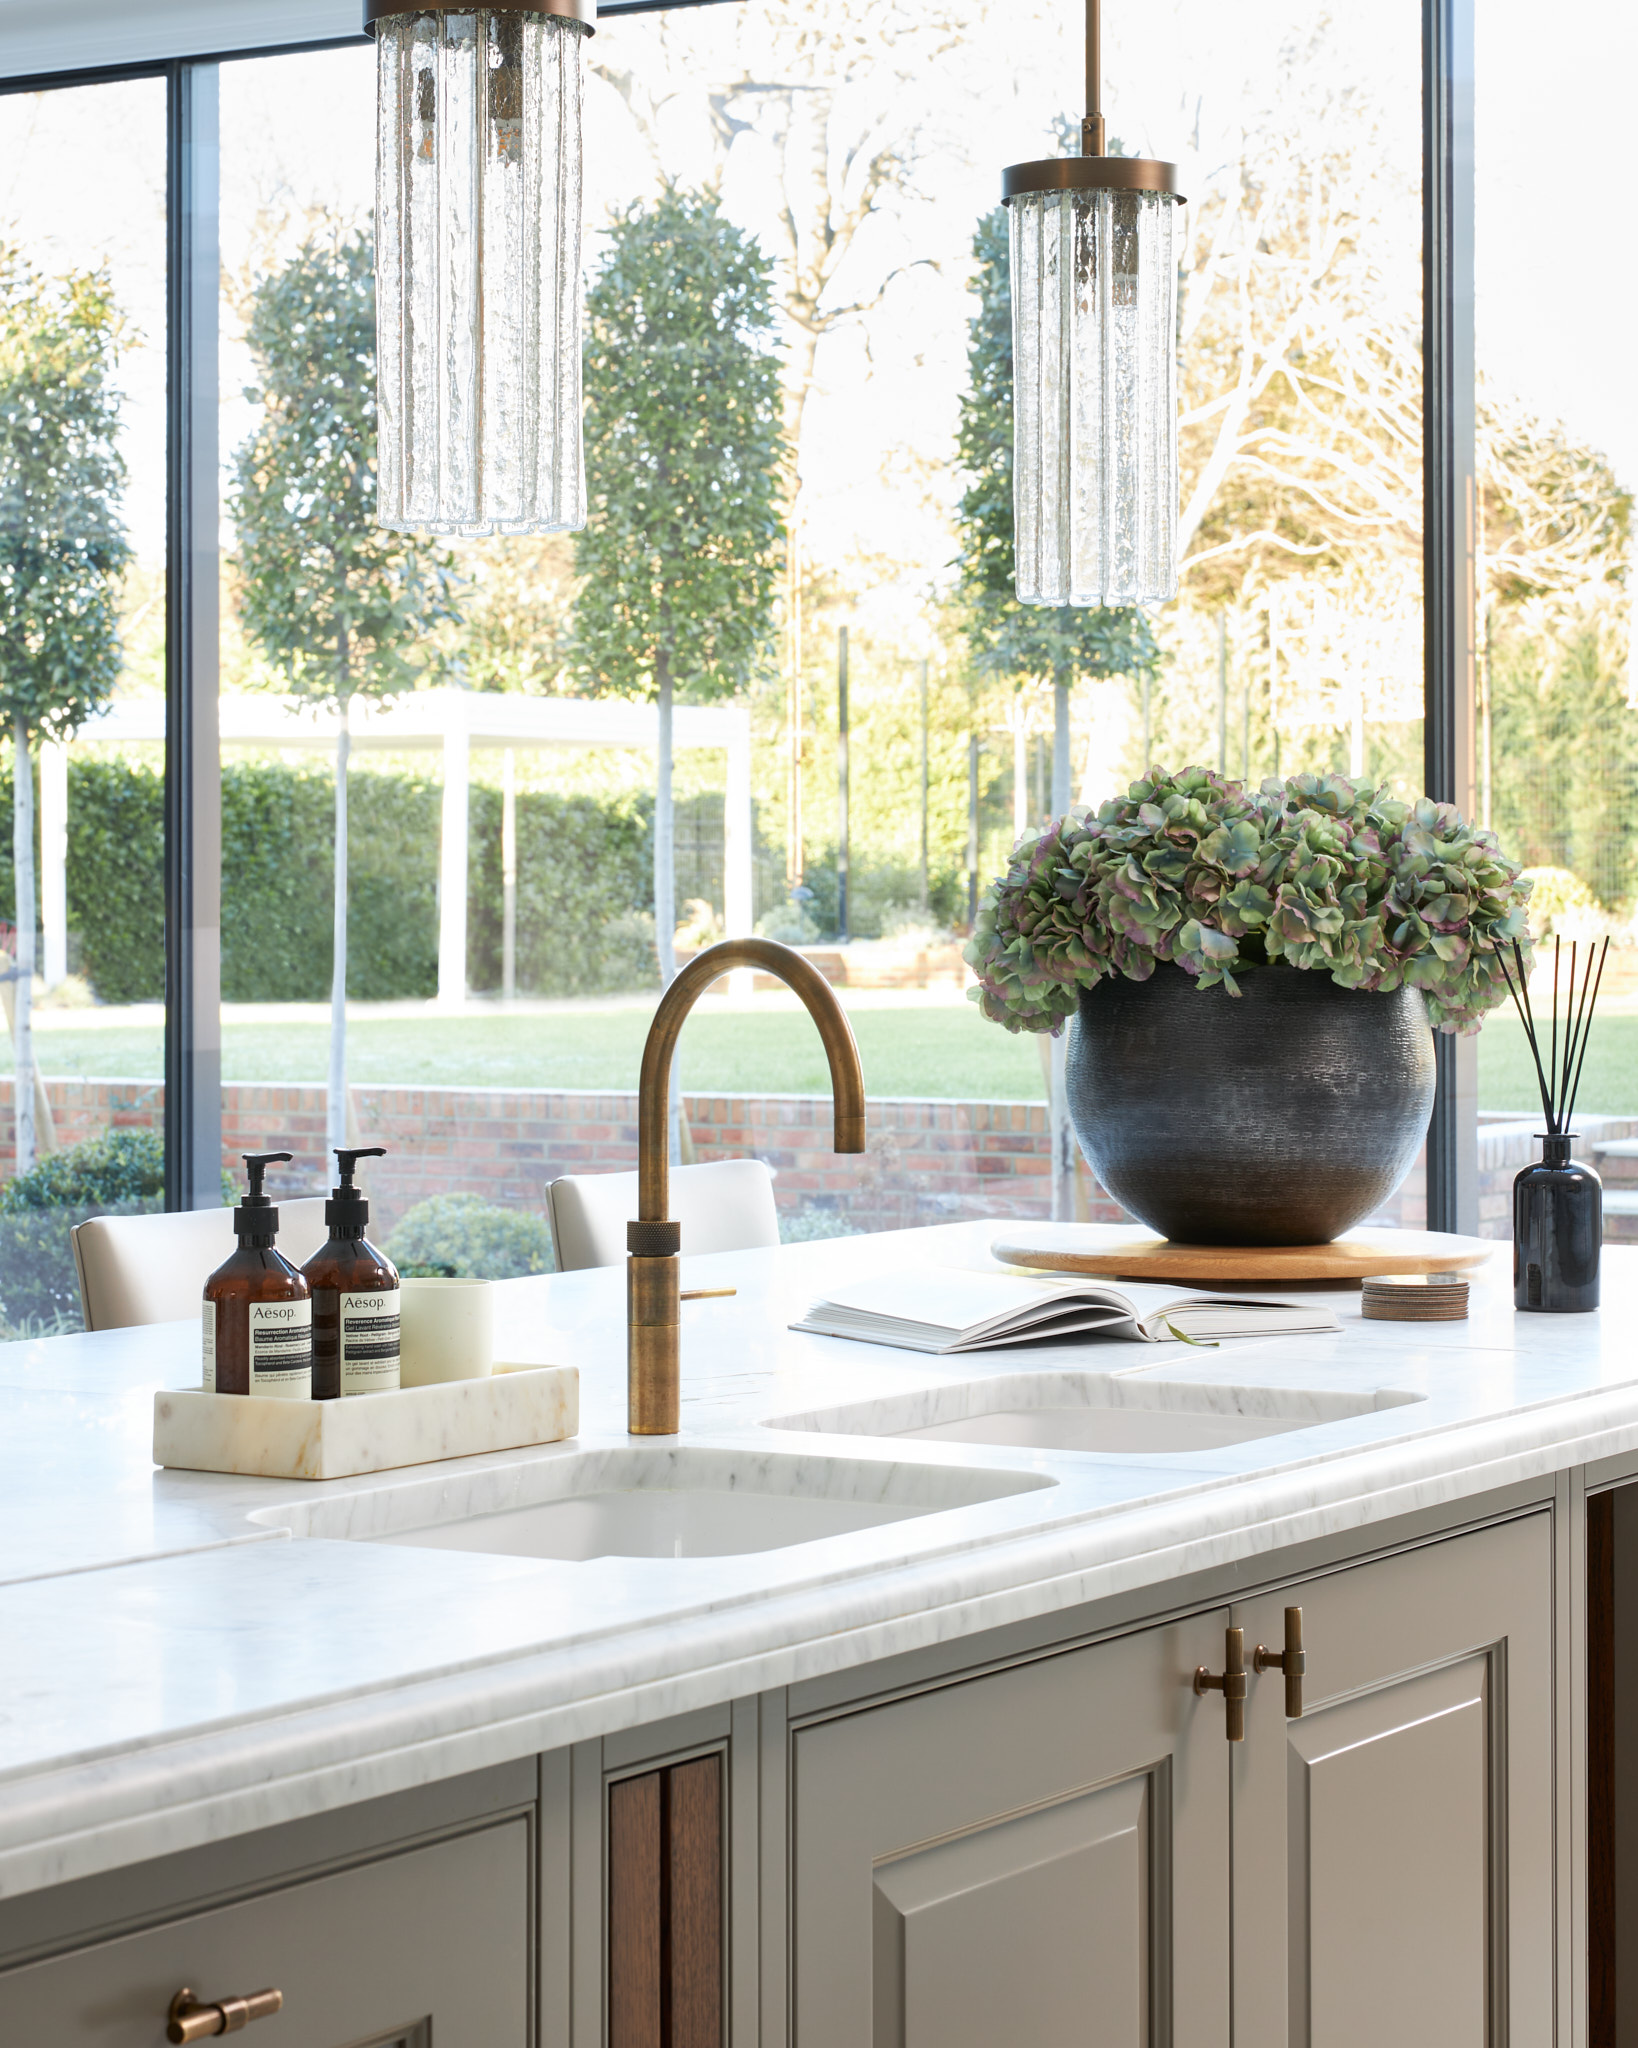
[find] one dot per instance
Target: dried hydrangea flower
(1315, 872)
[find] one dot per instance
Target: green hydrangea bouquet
(1314, 872)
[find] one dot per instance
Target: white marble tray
(247, 1433)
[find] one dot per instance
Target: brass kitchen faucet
(653, 1366)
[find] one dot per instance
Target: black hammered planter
(1281, 1116)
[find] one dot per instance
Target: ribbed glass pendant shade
(478, 199)
(1094, 328)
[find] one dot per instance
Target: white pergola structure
(450, 721)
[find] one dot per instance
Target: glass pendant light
(1095, 243)
(477, 264)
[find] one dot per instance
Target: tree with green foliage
(338, 606)
(1026, 642)
(63, 552)
(680, 554)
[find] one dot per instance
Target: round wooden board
(1115, 1249)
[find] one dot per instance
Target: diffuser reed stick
(1560, 1079)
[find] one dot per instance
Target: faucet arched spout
(653, 1365)
(804, 980)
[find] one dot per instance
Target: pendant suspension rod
(1092, 131)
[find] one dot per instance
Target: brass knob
(1292, 1660)
(1232, 1683)
(192, 2020)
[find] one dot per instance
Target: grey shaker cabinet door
(1035, 1857)
(431, 1945)
(1393, 1848)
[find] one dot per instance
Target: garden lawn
(941, 1050)
(1609, 1079)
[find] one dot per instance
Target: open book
(943, 1310)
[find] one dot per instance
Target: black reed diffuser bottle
(1558, 1204)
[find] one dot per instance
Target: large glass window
(854, 755)
(1556, 711)
(852, 759)
(82, 674)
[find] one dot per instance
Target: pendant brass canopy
(583, 11)
(1094, 242)
(1090, 174)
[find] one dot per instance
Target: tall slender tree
(63, 552)
(681, 551)
(337, 606)
(1026, 642)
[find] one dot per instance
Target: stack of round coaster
(1414, 1297)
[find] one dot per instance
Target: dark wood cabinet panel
(636, 1890)
(693, 1813)
(665, 1928)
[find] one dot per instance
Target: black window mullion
(193, 890)
(1448, 534)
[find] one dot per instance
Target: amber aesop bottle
(355, 1295)
(258, 1310)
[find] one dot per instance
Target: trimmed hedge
(277, 871)
(585, 883)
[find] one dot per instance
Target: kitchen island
(914, 1753)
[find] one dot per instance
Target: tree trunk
(336, 1108)
(1020, 767)
(1063, 1138)
(22, 853)
(665, 879)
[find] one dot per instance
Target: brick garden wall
(928, 1161)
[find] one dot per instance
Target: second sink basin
(1094, 1411)
(668, 1501)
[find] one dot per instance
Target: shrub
(810, 1224)
(121, 1173)
(463, 1237)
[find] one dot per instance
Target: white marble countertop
(178, 1662)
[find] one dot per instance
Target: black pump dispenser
(256, 1218)
(347, 1211)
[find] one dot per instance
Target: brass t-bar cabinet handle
(193, 2020)
(1292, 1660)
(1232, 1683)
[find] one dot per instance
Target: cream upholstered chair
(153, 1269)
(726, 1205)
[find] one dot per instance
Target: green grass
(1609, 1079)
(944, 1051)
(937, 1051)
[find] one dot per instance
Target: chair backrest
(726, 1205)
(153, 1269)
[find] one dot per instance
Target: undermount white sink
(672, 1501)
(1093, 1411)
